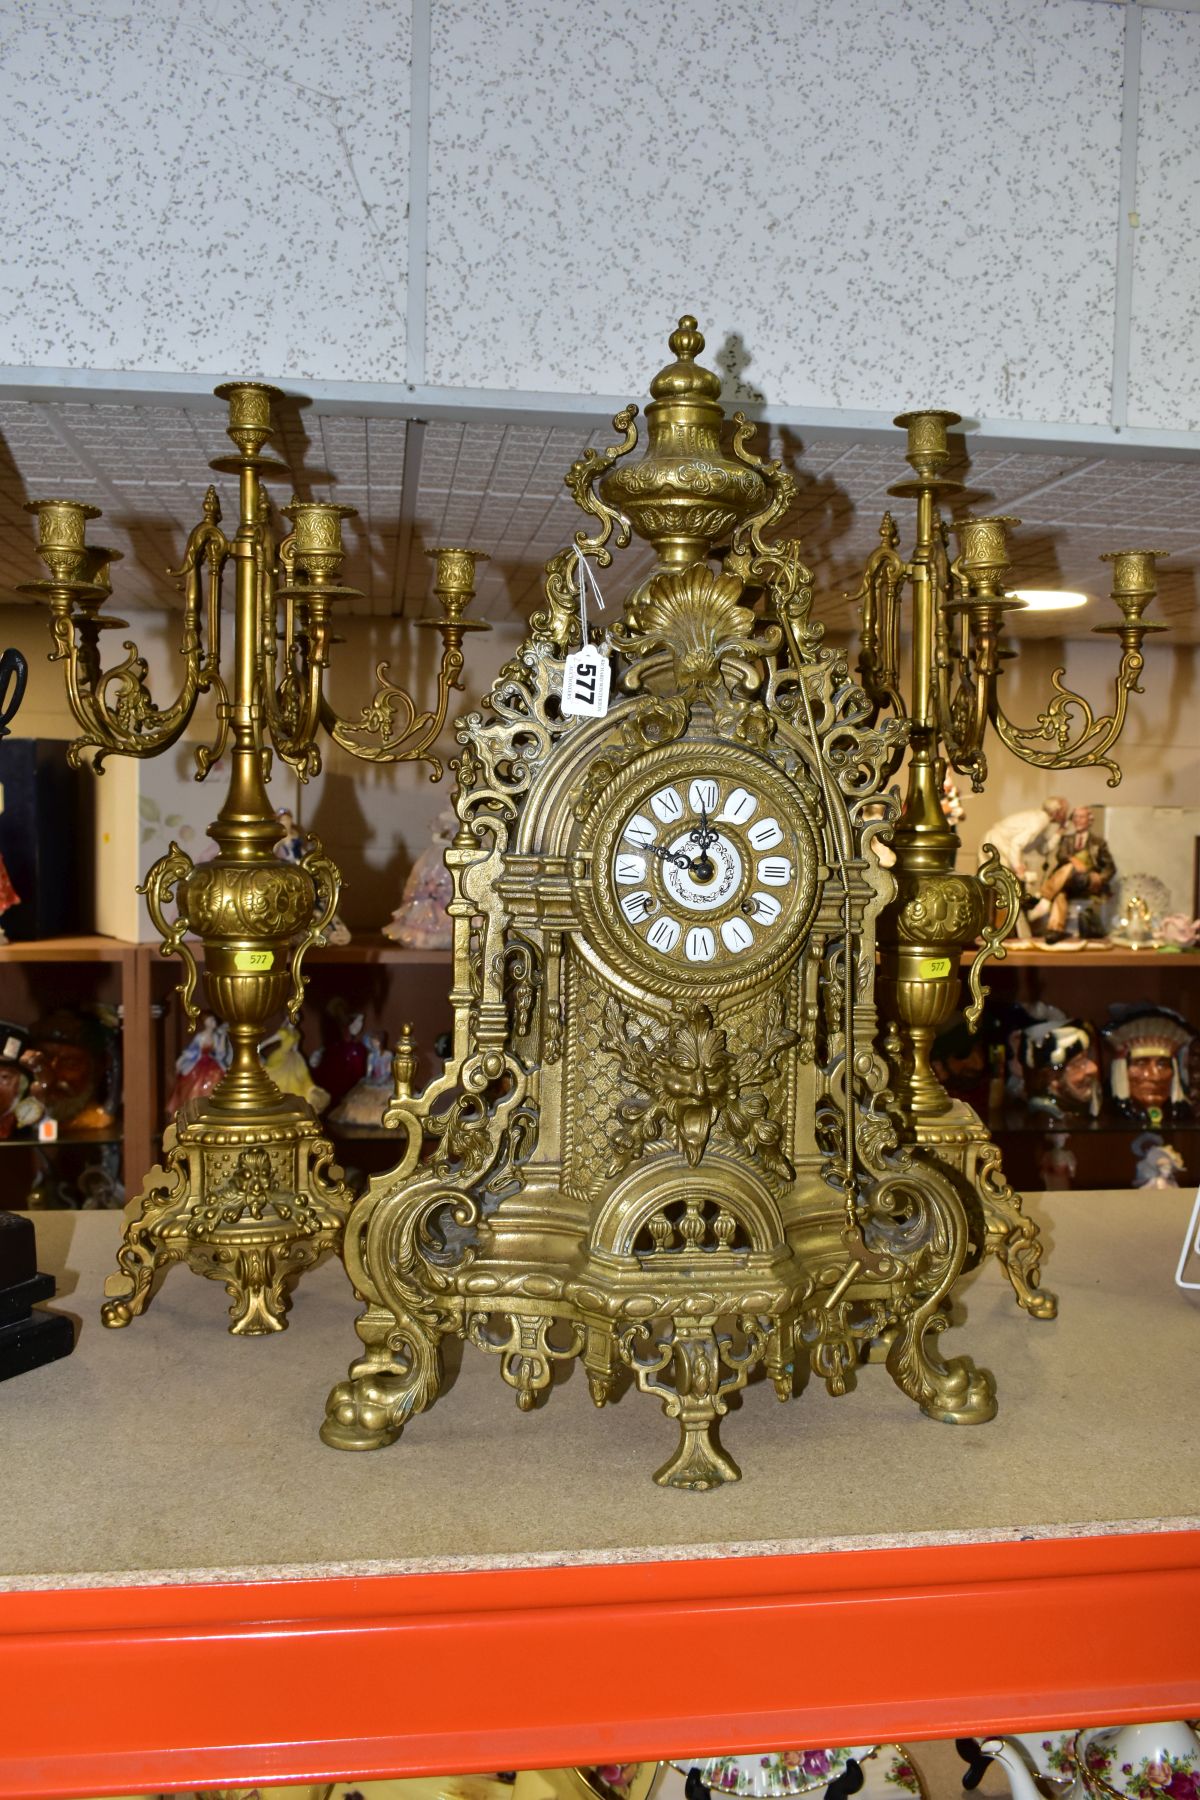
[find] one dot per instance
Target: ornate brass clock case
(665, 1141)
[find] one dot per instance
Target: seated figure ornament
(674, 1137)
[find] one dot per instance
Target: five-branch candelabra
(956, 660)
(248, 1192)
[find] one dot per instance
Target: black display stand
(27, 1338)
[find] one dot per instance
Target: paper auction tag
(587, 677)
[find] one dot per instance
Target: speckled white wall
(1164, 372)
(217, 188)
(889, 202)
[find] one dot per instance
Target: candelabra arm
(328, 884)
(293, 701)
(962, 720)
(1078, 738)
(389, 728)
(114, 706)
(160, 887)
(1005, 890)
(294, 709)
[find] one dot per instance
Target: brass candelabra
(956, 658)
(248, 1192)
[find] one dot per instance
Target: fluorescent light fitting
(1051, 599)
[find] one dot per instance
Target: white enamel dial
(704, 869)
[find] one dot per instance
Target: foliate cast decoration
(674, 1137)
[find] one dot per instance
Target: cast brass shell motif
(666, 1140)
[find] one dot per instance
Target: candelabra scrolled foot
(148, 1247)
(401, 1374)
(1012, 1236)
(954, 1392)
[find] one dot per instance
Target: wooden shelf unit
(1081, 983)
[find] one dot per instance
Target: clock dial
(705, 872)
(710, 888)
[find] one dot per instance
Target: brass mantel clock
(673, 1138)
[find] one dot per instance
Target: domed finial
(686, 342)
(684, 376)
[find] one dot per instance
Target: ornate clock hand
(707, 834)
(675, 857)
(702, 866)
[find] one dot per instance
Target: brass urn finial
(686, 495)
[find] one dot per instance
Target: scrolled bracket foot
(954, 1392)
(1013, 1237)
(400, 1375)
(145, 1252)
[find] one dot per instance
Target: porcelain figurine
(71, 1055)
(1148, 1049)
(367, 1099)
(1057, 1163)
(421, 921)
(1060, 1066)
(200, 1064)
(291, 847)
(1158, 1165)
(9, 897)
(1027, 843)
(1084, 872)
(1180, 930)
(342, 1058)
(285, 1064)
(21, 1094)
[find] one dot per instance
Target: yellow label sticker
(253, 959)
(932, 966)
